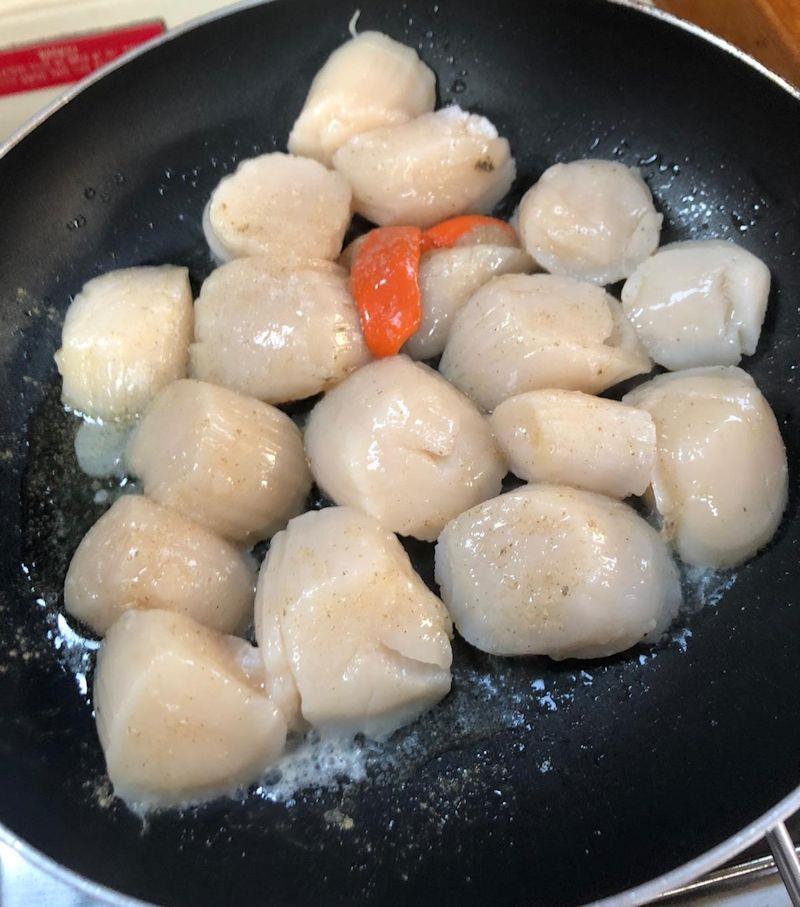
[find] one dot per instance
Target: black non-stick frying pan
(537, 784)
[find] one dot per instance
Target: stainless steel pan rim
(676, 878)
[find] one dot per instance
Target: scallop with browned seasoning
(525, 332)
(352, 639)
(276, 334)
(229, 462)
(181, 711)
(550, 570)
(140, 555)
(434, 167)
(398, 442)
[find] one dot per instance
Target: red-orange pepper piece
(447, 234)
(384, 281)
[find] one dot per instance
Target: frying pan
(534, 782)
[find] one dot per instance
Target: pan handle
(780, 843)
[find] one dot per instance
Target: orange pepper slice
(384, 281)
(450, 232)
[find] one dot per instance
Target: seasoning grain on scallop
(572, 438)
(140, 555)
(352, 639)
(284, 207)
(527, 332)
(398, 442)
(370, 81)
(231, 463)
(421, 172)
(276, 333)
(551, 570)
(593, 220)
(126, 335)
(182, 714)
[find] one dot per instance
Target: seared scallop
(231, 463)
(593, 220)
(550, 570)
(351, 636)
(720, 479)
(571, 438)
(283, 207)
(421, 172)
(142, 555)
(398, 442)
(276, 334)
(447, 278)
(527, 332)
(698, 303)
(125, 336)
(368, 82)
(181, 711)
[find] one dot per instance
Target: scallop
(368, 82)
(283, 207)
(275, 334)
(698, 303)
(181, 711)
(447, 278)
(142, 555)
(126, 335)
(231, 463)
(720, 479)
(550, 570)
(433, 167)
(396, 441)
(571, 438)
(593, 220)
(529, 332)
(100, 448)
(350, 635)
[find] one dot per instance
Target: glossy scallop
(279, 206)
(431, 168)
(447, 278)
(181, 711)
(351, 636)
(398, 442)
(276, 334)
(527, 332)
(698, 303)
(571, 438)
(550, 570)
(593, 220)
(720, 479)
(231, 463)
(140, 555)
(125, 336)
(368, 82)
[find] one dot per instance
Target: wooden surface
(768, 30)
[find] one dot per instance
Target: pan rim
(640, 894)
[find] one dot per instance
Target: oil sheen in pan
(490, 696)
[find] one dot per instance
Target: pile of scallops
(349, 639)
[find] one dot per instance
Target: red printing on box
(66, 60)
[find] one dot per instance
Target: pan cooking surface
(535, 781)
